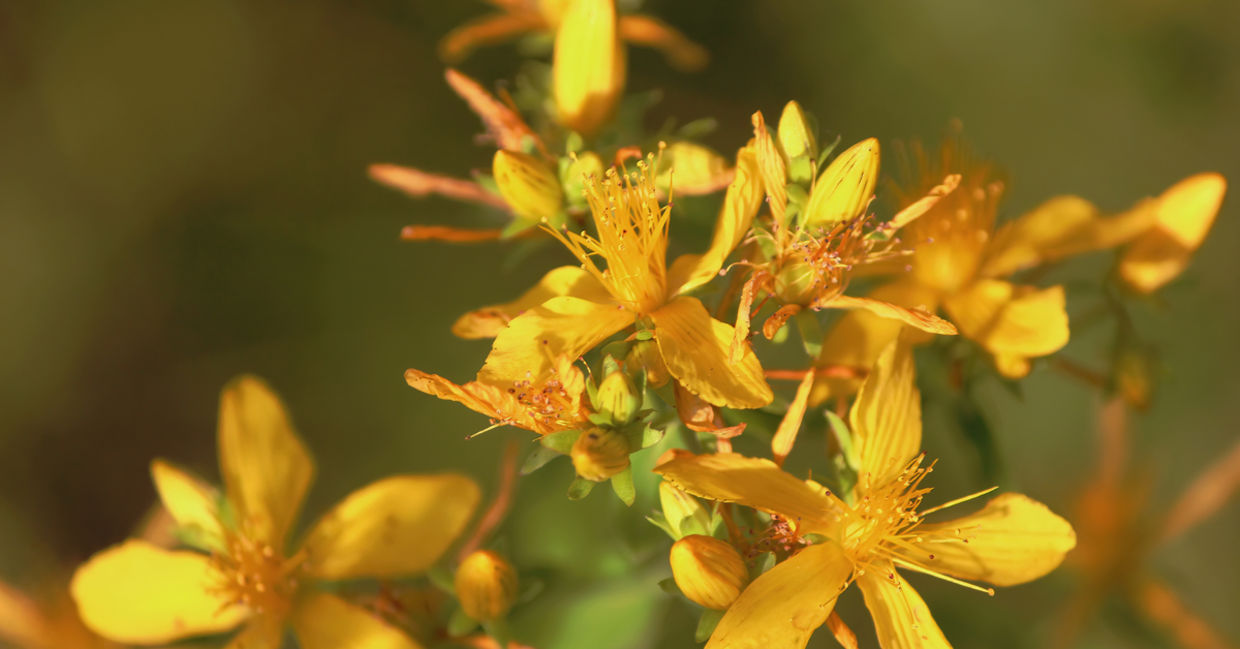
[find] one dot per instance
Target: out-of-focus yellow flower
(708, 571)
(49, 622)
(1183, 216)
(139, 593)
(510, 134)
(1119, 531)
(551, 404)
(876, 530)
(518, 17)
(486, 585)
(587, 76)
(582, 306)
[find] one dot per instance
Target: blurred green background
(183, 198)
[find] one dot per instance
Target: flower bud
(588, 69)
(708, 571)
(618, 398)
(844, 189)
(646, 357)
(600, 453)
(796, 137)
(486, 585)
(586, 164)
(528, 184)
(684, 513)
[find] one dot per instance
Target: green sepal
(538, 458)
(810, 330)
(460, 624)
(827, 150)
(498, 630)
(660, 521)
(800, 171)
(519, 226)
(644, 335)
(574, 143)
(561, 442)
(580, 488)
(847, 463)
(698, 128)
(706, 624)
(442, 578)
(668, 586)
(622, 484)
(599, 419)
(530, 588)
(651, 436)
(765, 562)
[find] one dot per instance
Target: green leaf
(652, 436)
(562, 441)
(826, 150)
(538, 458)
(765, 562)
(530, 588)
(460, 624)
(706, 624)
(622, 484)
(580, 488)
(698, 128)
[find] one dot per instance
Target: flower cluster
(860, 289)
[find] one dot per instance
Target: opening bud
(486, 585)
(708, 571)
(528, 184)
(600, 453)
(684, 513)
(844, 189)
(796, 136)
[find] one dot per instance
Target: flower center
(884, 520)
(632, 238)
(255, 575)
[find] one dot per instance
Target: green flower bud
(684, 513)
(844, 189)
(618, 398)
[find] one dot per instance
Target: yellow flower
(519, 17)
(876, 529)
(139, 593)
(550, 405)
(1120, 529)
(810, 260)
(573, 309)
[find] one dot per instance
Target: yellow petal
(488, 321)
(845, 187)
(142, 594)
(752, 482)
(266, 468)
(796, 136)
(1012, 322)
(786, 604)
(20, 620)
(395, 527)
(1059, 227)
(901, 618)
(681, 52)
(696, 349)
(1185, 213)
(259, 633)
(589, 67)
(1012, 540)
(857, 338)
(786, 435)
(772, 170)
(915, 317)
(191, 503)
(324, 621)
(886, 417)
(561, 328)
(740, 206)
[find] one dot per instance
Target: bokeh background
(183, 198)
